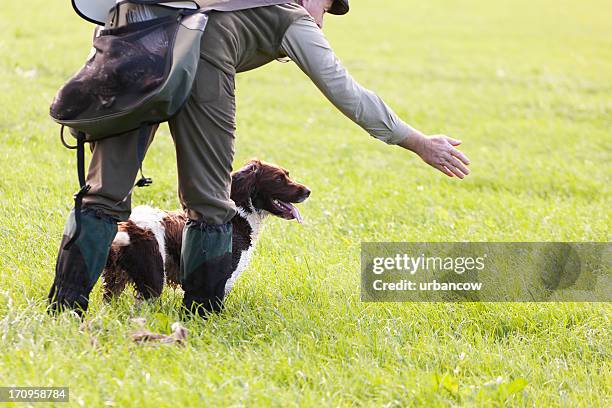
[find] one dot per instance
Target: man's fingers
(451, 170)
(455, 171)
(452, 141)
(459, 165)
(444, 170)
(460, 156)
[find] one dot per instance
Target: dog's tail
(122, 239)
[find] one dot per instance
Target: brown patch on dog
(137, 262)
(174, 223)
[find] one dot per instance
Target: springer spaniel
(147, 248)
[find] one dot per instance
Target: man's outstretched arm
(306, 45)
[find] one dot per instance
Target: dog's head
(267, 187)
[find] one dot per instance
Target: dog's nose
(306, 192)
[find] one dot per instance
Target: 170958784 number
(34, 394)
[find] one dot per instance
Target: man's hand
(439, 152)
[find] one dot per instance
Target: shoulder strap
(78, 197)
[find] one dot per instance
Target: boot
(80, 264)
(206, 265)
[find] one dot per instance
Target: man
(203, 134)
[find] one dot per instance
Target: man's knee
(211, 214)
(117, 213)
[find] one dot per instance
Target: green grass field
(527, 86)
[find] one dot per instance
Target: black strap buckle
(144, 182)
(78, 196)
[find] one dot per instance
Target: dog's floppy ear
(244, 182)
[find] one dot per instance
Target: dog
(147, 248)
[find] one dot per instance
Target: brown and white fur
(147, 248)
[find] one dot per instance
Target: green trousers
(203, 134)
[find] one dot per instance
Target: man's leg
(203, 134)
(112, 171)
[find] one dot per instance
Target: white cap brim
(96, 11)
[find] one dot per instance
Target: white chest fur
(255, 220)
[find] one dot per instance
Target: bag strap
(78, 197)
(143, 138)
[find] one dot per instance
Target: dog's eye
(279, 179)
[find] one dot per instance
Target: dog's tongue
(296, 213)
